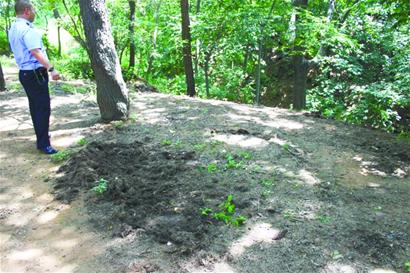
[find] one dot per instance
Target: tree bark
(300, 63)
(57, 17)
(2, 81)
(186, 51)
(132, 34)
(330, 12)
(112, 93)
(198, 42)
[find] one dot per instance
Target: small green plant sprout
(324, 219)
(212, 168)
(336, 255)
(231, 163)
(267, 183)
(206, 211)
(133, 118)
(118, 124)
(167, 142)
(407, 266)
(227, 214)
(265, 194)
(290, 215)
(286, 147)
(83, 141)
(404, 136)
(245, 155)
(200, 147)
(178, 143)
(60, 156)
(101, 187)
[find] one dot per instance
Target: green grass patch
(60, 156)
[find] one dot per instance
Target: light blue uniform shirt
(23, 37)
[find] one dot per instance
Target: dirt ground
(318, 195)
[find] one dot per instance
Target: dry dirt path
(38, 234)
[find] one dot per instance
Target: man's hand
(55, 75)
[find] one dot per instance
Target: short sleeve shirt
(23, 37)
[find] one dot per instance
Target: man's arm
(38, 54)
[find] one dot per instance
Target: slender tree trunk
(330, 12)
(300, 63)
(260, 51)
(154, 40)
(132, 34)
(206, 70)
(57, 17)
(8, 23)
(112, 93)
(198, 42)
(186, 40)
(2, 81)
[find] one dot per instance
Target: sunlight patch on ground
(153, 116)
(261, 232)
(217, 268)
(272, 122)
(308, 178)
(70, 243)
(47, 216)
(244, 141)
(15, 123)
(277, 140)
(379, 270)
(63, 138)
(25, 255)
(339, 268)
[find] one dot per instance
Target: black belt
(40, 73)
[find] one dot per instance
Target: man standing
(31, 57)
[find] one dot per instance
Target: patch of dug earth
(148, 188)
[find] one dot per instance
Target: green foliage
(290, 215)
(324, 219)
(226, 214)
(118, 124)
(4, 44)
(368, 82)
(231, 163)
(167, 142)
(200, 147)
(75, 64)
(407, 266)
(83, 141)
(101, 187)
(133, 118)
(212, 168)
(60, 156)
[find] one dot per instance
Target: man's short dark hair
(22, 5)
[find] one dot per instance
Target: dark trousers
(35, 83)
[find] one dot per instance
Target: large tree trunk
(299, 62)
(186, 40)
(112, 93)
(132, 34)
(2, 81)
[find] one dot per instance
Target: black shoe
(48, 150)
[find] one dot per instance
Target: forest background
(344, 59)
